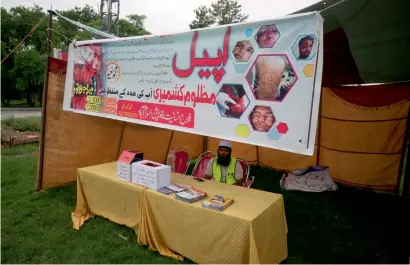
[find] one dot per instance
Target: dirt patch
(11, 138)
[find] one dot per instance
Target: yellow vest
(230, 172)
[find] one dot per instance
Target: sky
(172, 16)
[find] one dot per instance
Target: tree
(137, 20)
(227, 12)
(133, 25)
(221, 12)
(29, 67)
(203, 18)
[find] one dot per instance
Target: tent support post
(403, 157)
(318, 130)
(39, 184)
(406, 183)
(257, 157)
(204, 144)
(169, 146)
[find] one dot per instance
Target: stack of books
(170, 189)
(217, 203)
(190, 195)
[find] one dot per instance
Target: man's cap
(224, 143)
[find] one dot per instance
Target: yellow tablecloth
(99, 192)
(252, 230)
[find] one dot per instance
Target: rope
(28, 35)
(62, 35)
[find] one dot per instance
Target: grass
(20, 104)
(347, 226)
(22, 124)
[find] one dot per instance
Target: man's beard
(224, 161)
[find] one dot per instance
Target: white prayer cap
(224, 143)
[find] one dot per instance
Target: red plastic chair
(182, 160)
(246, 169)
(201, 164)
(248, 183)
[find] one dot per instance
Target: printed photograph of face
(267, 36)
(271, 77)
(262, 118)
(243, 51)
(304, 47)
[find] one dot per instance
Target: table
(252, 230)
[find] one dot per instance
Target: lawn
(347, 226)
(20, 104)
(21, 124)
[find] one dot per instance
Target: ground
(16, 131)
(347, 226)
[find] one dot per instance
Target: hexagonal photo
(232, 100)
(304, 47)
(262, 118)
(243, 51)
(271, 77)
(267, 36)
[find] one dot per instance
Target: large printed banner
(257, 83)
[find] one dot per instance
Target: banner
(257, 83)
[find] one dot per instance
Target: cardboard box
(124, 164)
(151, 174)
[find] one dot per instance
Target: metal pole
(403, 156)
(44, 105)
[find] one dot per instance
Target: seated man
(225, 168)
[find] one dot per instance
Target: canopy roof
(374, 34)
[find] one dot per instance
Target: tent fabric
(378, 38)
(73, 141)
(381, 95)
(362, 146)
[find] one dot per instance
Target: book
(165, 190)
(217, 203)
(170, 189)
(190, 195)
(176, 188)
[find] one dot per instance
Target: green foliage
(221, 12)
(23, 72)
(22, 124)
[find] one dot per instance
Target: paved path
(20, 112)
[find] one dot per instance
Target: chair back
(182, 160)
(246, 169)
(249, 182)
(201, 164)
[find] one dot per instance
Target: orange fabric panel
(285, 161)
(193, 142)
(152, 141)
(74, 140)
(368, 137)
(374, 171)
(239, 150)
(337, 108)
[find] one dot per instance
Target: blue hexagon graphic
(241, 68)
(248, 32)
(232, 100)
(243, 51)
(273, 134)
(267, 36)
(305, 47)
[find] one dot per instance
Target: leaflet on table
(257, 83)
